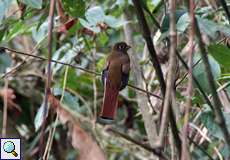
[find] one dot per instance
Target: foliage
(84, 32)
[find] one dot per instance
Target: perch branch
(77, 67)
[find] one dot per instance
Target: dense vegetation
(177, 103)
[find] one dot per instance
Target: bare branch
(48, 80)
(77, 67)
(185, 146)
(171, 72)
(147, 36)
(225, 7)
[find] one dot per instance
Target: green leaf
(113, 22)
(200, 73)
(221, 53)
(4, 5)
(80, 83)
(5, 61)
(183, 23)
(33, 3)
(68, 99)
(89, 26)
(75, 8)
(165, 23)
(95, 15)
(211, 28)
(103, 39)
(207, 118)
(38, 120)
(18, 28)
(40, 33)
(72, 102)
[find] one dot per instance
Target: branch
(187, 68)
(147, 36)
(48, 80)
(76, 67)
(142, 102)
(171, 72)
(200, 148)
(225, 7)
(219, 118)
(146, 147)
(5, 106)
(185, 145)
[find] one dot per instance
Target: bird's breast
(114, 75)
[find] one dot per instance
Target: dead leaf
(10, 97)
(81, 140)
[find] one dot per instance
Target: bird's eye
(121, 47)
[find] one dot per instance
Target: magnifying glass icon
(9, 147)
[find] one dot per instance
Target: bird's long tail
(109, 105)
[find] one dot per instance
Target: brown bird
(115, 77)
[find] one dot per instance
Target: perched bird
(115, 77)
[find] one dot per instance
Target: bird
(115, 76)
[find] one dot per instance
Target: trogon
(114, 77)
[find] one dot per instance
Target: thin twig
(186, 74)
(171, 72)
(225, 7)
(194, 78)
(206, 138)
(16, 68)
(153, 56)
(4, 121)
(50, 140)
(219, 118)
(94, 85)
(79, 68)
(149, 123)
(185, 146)
(200, 148)
(146, 147)
(48, 80)
(147, 36)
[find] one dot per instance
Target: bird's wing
(125, 68)
(104, 74)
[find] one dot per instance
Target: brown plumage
(115, 78)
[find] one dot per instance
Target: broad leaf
(95, 15)
(4, 5)
(17, 29)
(5, 61)
(75, 8)
(211, 28)
(200, 73)
(34, 3)
(182, 23)
(39, 117)
(221, 53)
(165, 23)
(208, 119)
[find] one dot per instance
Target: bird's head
(121, 47)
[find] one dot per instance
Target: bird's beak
(128, 47)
